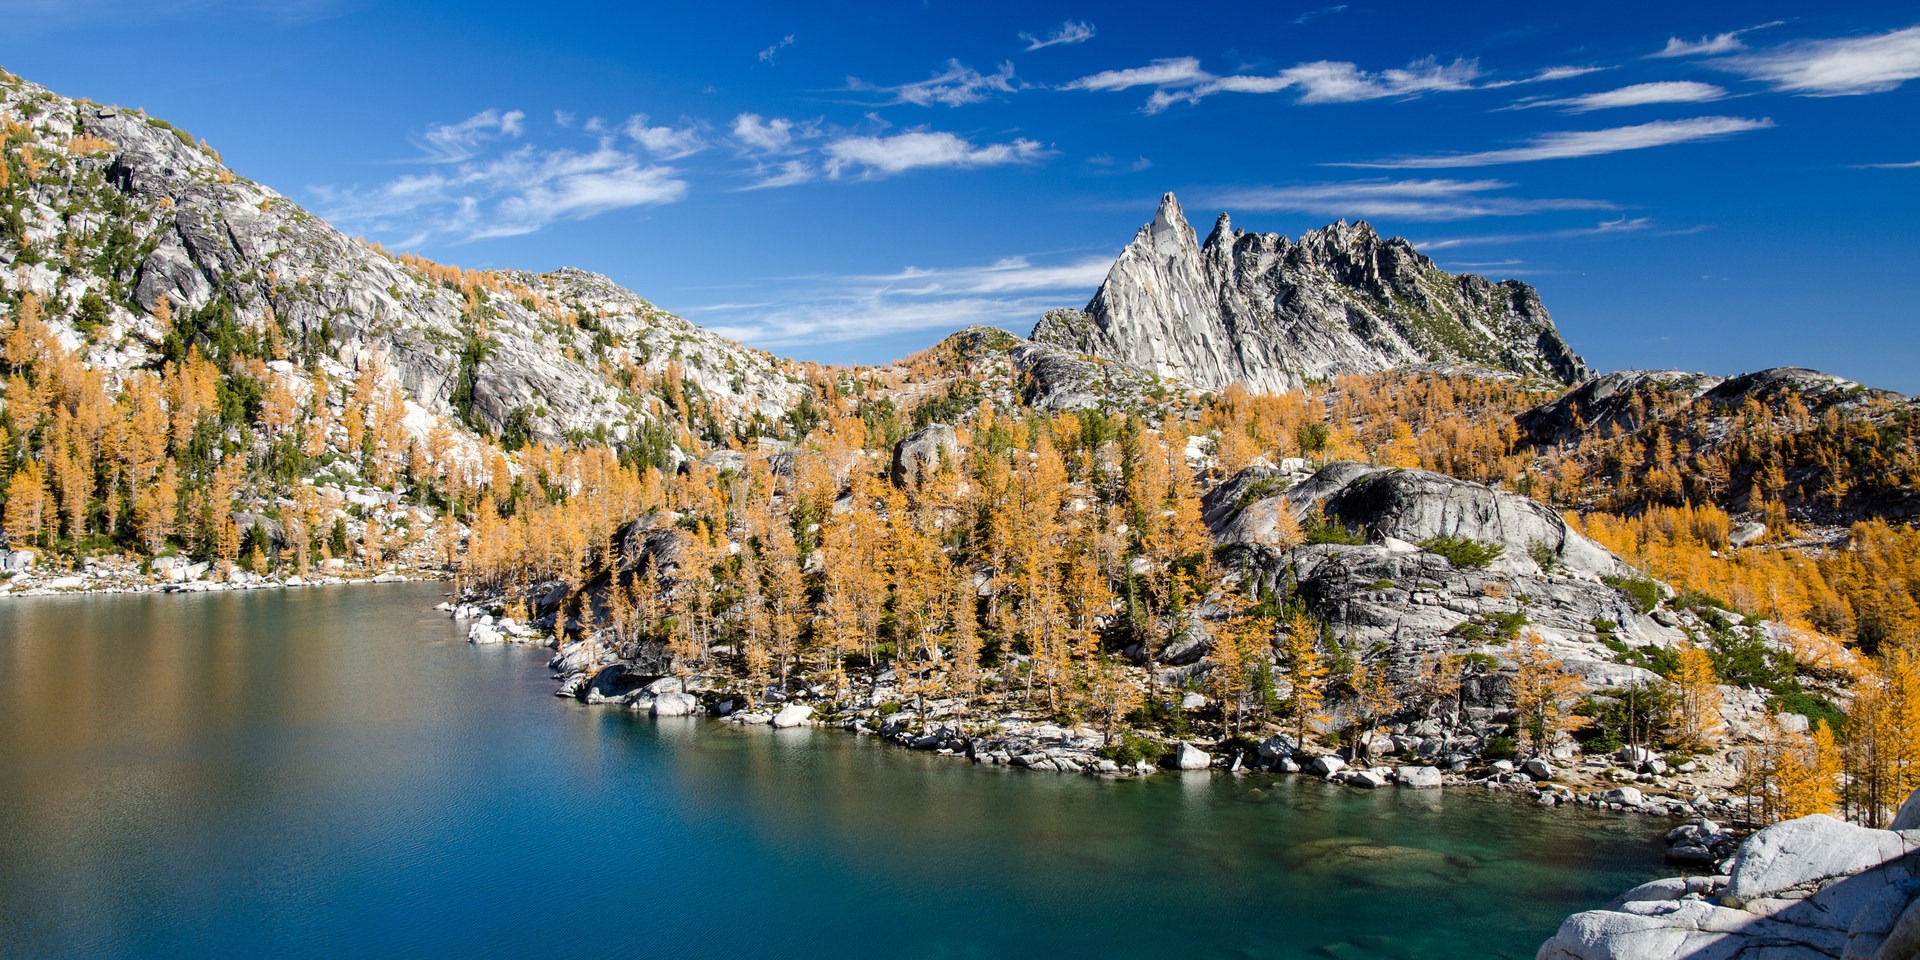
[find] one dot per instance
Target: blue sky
(1718, 187)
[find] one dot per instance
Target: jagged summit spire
(1272, 313)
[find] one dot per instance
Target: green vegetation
(1644, 593)
(1462, 552)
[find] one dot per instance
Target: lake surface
(336, 773)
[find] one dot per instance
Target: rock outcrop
(1272, 313)
(1813, 887)
(1384, 588)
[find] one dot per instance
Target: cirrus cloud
(1582, 143)
(1415, 200)
(1834, 68)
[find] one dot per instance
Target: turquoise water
(334, 773)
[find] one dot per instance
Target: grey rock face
(1270, 313)
(1388, 593)
(1812, 887)
(921, 453)
(1417, 505)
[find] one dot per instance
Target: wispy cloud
(1562, 73)
(1834, 68)
(1604, 228)
(957, 85)
(787, 173)
(881, 156)
(1182, 80)
(1708, 46)
(776, 135)
(1316, 14)
(1909, 165)
(1582, 143)
(1415, 200)
(1636, 95)
(663, 142)
(1328, 81)
(1105, 165)
(1171, 72)
(517, 192)
(458, 142)
(767, 55)
(1011, 293)
(1071, 32)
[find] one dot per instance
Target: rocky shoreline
(175, 575)
(588, 672)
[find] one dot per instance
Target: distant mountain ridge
(1272, 313)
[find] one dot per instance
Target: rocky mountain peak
(1271, 313)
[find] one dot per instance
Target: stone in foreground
(1813, 887)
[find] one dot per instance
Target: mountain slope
(110, 202)
(1271, 313)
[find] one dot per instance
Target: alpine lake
(335, 772)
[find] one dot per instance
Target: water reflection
(332, 773)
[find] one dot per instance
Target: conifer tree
(1305, 672)
(1695, 722)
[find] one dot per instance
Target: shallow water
(334, 773)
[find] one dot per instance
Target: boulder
(1418, 778)
(1327, 766)
(1186, 756)
(671, 704)
(1624, 796)
(1364, 779)
(1538, 769)
(1813, 887)
(920, 453)
(1796, 856)
(1909, 816)
(1278, 747)
(792, 716)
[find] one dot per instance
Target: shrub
(1815, 709)
(1128, 748)
(1322, 530)
(1257, 489)
(1642, 592)
(1463, 552)
(1500, 748)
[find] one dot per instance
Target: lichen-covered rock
(1270, 313)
